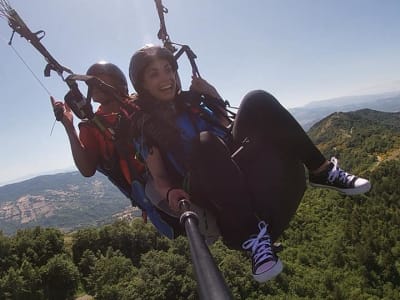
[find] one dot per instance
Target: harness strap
(193, 101)
(108, 132)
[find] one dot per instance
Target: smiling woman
(247, 172)
(153, 68)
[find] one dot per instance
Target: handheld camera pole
(211, 284)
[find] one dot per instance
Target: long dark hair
(156, 123)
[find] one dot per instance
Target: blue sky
(299, 50)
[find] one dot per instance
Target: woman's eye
(168, 69)
(153, 74)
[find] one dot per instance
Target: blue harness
(190, 125)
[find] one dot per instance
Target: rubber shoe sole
(270, 274)
(350, 191)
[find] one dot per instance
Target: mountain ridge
(70, 201)
(307, 115)
(313, 112)
(66, 200)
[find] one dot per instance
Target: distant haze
(313, 112)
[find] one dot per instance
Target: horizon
(70, 169)
(73, 168)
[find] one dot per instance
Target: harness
(194, 116)
(110, 162)
(111, 168)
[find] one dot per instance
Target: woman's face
(159, 79)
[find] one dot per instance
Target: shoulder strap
(198, 104)
(107, 131)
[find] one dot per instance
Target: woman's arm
(162, 182)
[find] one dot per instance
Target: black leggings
(263, 119)
(265, 180)
(273, 160)
(217, 183)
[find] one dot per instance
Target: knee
(210, 143)
(259, 98)
(207, 137)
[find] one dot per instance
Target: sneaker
(337, 179)
(265, 264)
(277, 247)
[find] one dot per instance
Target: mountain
(317, 110)
(363, 138)
(70, 201)
(347, 247)
(335, 247)
(67, 201)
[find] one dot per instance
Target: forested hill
(342, 247)
(66, 201)
(361, 139)
(336, 246)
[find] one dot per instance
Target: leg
(217, 184)
(272, 161)
(262, 117)
(220, 186)
(264, 120)
(277, 182)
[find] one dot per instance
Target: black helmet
(142, 58)
(111, 70)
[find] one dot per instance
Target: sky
(298, 50)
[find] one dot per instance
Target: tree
(109, 272)
(86, 266)
(37, 245)
(84, 239)
(5, 253)
(132, 239)
(60, 278)
(21, 284)
(164, 275)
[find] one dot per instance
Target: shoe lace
(260, 245)
(338, 173)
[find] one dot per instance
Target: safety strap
(196, 103)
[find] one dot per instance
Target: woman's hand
(174, 196)
(201, 86)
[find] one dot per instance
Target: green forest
(336, 247)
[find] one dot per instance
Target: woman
(251, 176)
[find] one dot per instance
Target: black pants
(273, 160)
(217, 183)
(263, 119)
(265, 180)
